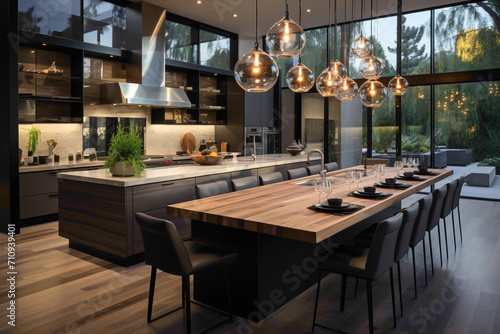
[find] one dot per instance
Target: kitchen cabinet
(259, 109)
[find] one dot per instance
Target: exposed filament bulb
(286, 37)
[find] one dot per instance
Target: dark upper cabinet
(259, 109)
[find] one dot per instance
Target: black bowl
(422, 169)
(390, 181)
(335, 201)
(370, 189)
(408, 174)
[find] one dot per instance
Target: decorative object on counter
(33, 138)
(70, 156)
(256, 71)
(203, 145)
(56, 158)
(78, 156)
(52, 145)
(208, 157)
(43, 159)
(92, 154)
(53, 70)
(188, 142)
(294, 148)
(223, 146)
(300, 145)
(125, 153)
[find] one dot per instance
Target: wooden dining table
(279, 239)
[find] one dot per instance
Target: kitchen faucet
(323, 171)
(254, 154)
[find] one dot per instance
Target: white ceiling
(219, 13)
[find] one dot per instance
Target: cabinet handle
(167, 184)
(93, 169)
(54, 195)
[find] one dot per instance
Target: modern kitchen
(238, 166)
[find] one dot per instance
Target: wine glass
(326, 189)
(416, 162)
(381, 172)
(317, 187)
(322, 186)
(404, 161)
(398, 165)
(358, 177)
(375, 171)
(349, 178)
(411, 163)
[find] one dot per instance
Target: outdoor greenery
(126, 147)
(495, 161)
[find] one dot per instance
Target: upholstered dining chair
(456, 204)
(438, 197)
(446, 210)
(164, 250)
(296, 173)
(211, 189)
(314, 170)
(243, 183)
(332, 166)
(270, 178)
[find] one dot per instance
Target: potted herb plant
(33, 139)
(125, 153)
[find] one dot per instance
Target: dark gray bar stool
(296, 173)
(270, 178)
(446, 210)
(165, 250)
(332, 166)
(211, 189)
(314, 170)
(244, 183)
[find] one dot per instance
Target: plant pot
(498, 170)
(118, 170)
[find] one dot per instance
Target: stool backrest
(381, 254)
(270, 178)
(313, 170)
(424, 208)
(211, 189)
(458, 191)
(409, 217)
(438, 197)
(448, 200)
(244, 183)
(163, 246)
(373, 161)
(296, 173)
(332, 166)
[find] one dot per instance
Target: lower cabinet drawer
(38, 205)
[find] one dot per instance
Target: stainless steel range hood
(122, 93)
(146, 74)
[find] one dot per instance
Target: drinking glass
(375, 171)
(322, 186)
(398, 165)
(404, 161)
(411, 163)
(416, 162)
(358, 177)
(381, 172)
(317, 188)
(349, 178)
(326, 189)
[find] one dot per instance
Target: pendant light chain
(329, 29)
(300, 24)
(256, 22)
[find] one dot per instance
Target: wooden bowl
(206, 159)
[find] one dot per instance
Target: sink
(306, 183)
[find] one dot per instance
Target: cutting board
(188, 142)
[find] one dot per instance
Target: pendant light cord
(371, 23)
(256, 23)
(335, 33)
(362, 11)
(300, 24)
(329, 29)
(287, 15)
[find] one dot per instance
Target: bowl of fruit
(207, 157)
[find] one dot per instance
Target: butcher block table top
(281, 209)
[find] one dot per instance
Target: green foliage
(33, 138)
(495, 161)
(384, 138)
(415, 144)
(126, 147)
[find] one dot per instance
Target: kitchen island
(96, 210)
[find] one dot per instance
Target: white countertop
(60, 165)
(162, 174)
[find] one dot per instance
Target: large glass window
(56, 18)
(467, 37)
(415, 43)
(179, 42)
(214, 50)
(314, 52)
(384, 129)
(104, 23)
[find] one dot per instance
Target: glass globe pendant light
(372, 94)
(362, 47)
(398, 85)
(300, 78)
(371, 68)
(337, 67)
(256, 71)
(348, 87)
(286, 38)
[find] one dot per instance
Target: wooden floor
(60, 290)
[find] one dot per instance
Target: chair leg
(454, 234)
(392, 297)
(425, 260)
(400, 289)
(188, 305)
(230, 309)
(370, 304)
(445, 238)
(316, 301)
(432, 257)
(414, 272)
(183, 292)
(342, 292)
(356, 288)
(440, 246)
(151, 292)
(460, 223)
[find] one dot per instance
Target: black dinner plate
(343, 206)
(329, 208)
(376, 193)
(369, 195)
(422, 173)
(413, 178)
(394, 184)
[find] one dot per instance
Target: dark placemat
(396, 186)
(353, 208)
(418, 178)
(417, 172)
(372, 197)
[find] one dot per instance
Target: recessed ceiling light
(235, 15)
(215, 74)
(44, 44)
(111, 56)
(198, 2)
(308, 10)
